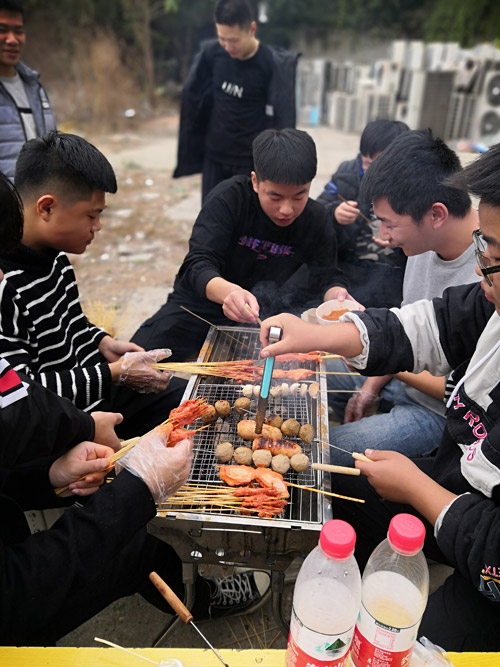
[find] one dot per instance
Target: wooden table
(110, 657)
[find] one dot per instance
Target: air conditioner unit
(434, 56)
(344, 111)
(387, 76)
(467, 73)
(486, 121)
(460, 116)
(414, 55)
(428, 101)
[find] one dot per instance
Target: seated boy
(102, 548)
(251, 238)
(456, 492)
(62, 181)
(375, 272)
(432, 223)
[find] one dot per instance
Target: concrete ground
(132, 622)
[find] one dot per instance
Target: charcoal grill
(230, 538)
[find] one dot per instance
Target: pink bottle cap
(406, 533)
(337, 539)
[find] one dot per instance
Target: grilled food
(246, 430)
(262, 458)
(243, 455)
(299, 462)
(222, 408)
(224, 452)
(306, 433)
(276, 447)
(280, 463)
(290, 428)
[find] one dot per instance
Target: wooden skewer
(325, 493)
(212, 325)
(259, 321)
(361, 214)
(328, 467)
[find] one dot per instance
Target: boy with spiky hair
(62, 181)
(251, 238)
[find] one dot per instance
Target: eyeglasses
(482, 261)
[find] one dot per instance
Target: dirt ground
(140, 243)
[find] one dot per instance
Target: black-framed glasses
(482, 261)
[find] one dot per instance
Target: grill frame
(306, 508)
(206, 538)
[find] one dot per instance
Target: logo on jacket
(265, 248)
(232, 89)
(489, 582)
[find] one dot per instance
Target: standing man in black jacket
(236, 88)
(251, 243)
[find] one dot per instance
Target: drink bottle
(394, 592)
(326, 600)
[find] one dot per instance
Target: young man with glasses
(456, 491)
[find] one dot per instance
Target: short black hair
(287, 157)
(412, 174)
(481, 177)
(378, 134)
(70, 165)
(235, 12)
(13, 6)
(11, 226)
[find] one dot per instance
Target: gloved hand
(362, 404)
(164, 469)
(136, 371)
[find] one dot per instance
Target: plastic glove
(136, 371)
(362, 404)
(164, 469)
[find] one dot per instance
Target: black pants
(125, 575)
(457, 617)
(215, 172)
(183, 333)
(142, 412)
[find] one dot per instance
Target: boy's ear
(439, 215)
(44, 206)
(255, 182)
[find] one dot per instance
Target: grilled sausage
(277, 446)
(246, 430)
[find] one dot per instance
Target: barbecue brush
(180, 608)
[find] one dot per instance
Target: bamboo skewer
(212, 325)
(325, 493)
(259, 321)
(360, 213)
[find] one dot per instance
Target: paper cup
(329, 307)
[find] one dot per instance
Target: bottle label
(380, 645)
(308, 648)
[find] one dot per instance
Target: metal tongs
(274, 336)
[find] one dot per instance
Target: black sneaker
(239, 593)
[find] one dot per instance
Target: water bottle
(326, 601)
(394, 594)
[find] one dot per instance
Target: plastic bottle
(394, 594)
(326, 600)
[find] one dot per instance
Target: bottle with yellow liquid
(394, 593)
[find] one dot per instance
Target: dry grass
(103, 315)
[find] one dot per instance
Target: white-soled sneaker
(240, 593)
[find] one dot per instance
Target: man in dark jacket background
(25, 111)
(236, 88)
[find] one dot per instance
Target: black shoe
(239, 593)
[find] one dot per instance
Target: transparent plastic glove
(362, 404)
(428, 654)
(164, 469)
(136, 371)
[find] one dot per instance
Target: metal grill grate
(224, 344)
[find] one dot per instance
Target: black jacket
(196, 103)
(48, 567)
(346, 181)
(234, 239)
(458, 331)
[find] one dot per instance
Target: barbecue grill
(227, 537)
